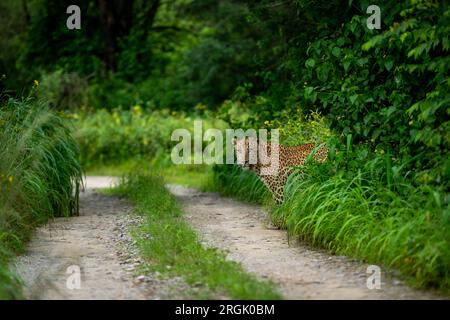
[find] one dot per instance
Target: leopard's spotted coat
(289, 158)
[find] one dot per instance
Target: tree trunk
(26, 12)
(117, 21)
(116, 17)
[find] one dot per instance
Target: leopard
(290, 158)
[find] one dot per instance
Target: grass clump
(397, 224)
(232, 180)
(40, 176)
(172, 247)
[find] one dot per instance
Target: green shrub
(388, 88)
(115, 136)
(63, 91)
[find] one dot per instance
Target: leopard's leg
(281, 185)
(275, 184)
(278, 194)
(270, 182)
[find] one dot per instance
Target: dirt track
(98, 243)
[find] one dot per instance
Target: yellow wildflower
(137, 110)
(10, 179)
(36, 83)
(201, 106)
(174, 113)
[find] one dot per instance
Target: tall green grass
(232, 180)
(40, 176)
(408, 230)
(366, 209)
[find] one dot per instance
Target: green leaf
(346, 65)
(310, 63)
(390, 111)
(322, 72)
(389, 64)
(336, 52)
(361, 61)
(349, 143)
(366, 46)
(340, 41)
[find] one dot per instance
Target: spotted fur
(289, 158)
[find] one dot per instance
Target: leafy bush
(295, 125)
(107, 137)
(63, 91)
(389, 90)
(40, 175)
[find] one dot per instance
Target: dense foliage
(111, 137)
(389, 90)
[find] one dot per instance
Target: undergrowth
(363, 206)
(40, 177)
